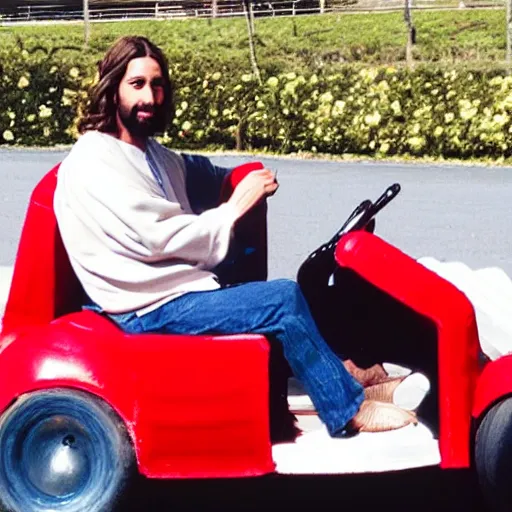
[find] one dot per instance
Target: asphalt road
(449, 212)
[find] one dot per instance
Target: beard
(141, 128)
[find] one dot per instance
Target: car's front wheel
(63, 450)
(493, 455)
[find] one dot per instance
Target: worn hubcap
(54, 456)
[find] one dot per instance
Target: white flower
(326, 97)
(416, 142)
(373, 119)
(74, 72)
(186, 126)
(273, 81)
(338, 108)
(216, 76)
(497, 80)
(45, 111)
(23, 82)
(500, 119)
(384, 148)
(468, 113)
(8, 136)
(289, 88)
(464, 104)
(369, 75)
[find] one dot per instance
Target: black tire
(63, 450)
(493, 456)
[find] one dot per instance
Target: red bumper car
(84, 407)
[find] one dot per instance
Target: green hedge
(384, 111)
(38, 99)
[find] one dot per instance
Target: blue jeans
(277, 309)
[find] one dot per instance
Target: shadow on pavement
(414, 490)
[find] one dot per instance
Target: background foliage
(338, 86)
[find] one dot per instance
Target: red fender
(191, 404)
(409, 282)
(494, 383)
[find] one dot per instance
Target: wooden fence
(168, 9)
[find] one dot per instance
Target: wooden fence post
(87, 31)
(249, 16)
(509, 35)
(410, 33)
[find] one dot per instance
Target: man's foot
(374, 416)
(404, 392)
(366, 376)
(384, 391)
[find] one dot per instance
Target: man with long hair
(145, 257)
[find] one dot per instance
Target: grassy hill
(460, 37)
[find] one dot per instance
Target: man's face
(141, 93)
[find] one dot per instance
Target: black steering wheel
(318, 267)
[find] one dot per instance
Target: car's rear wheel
(493, 455)
(63, 450)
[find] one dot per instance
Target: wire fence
(27, 12)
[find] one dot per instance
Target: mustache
(144, 108)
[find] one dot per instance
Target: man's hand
(254, 187)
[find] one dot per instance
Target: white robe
(133, 243)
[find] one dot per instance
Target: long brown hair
(101, 111)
